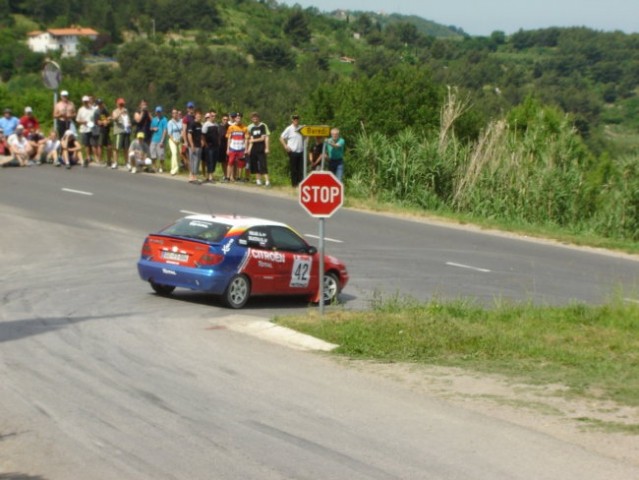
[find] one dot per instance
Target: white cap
(28, 110)
(64, 93)
(69, 132)
(85, 98)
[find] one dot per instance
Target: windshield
(197, 229)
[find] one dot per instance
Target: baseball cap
(120, 101)
(85, 98)
(7, 110)
(69, 132)
(28, 110)
(64, 93)
(140, 135)
(19, 128)
(190, 105)
(158, 108)
(99, 100)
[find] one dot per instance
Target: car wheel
(163, 290)
(238, 292)
(331, 287)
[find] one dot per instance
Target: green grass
(592, 350)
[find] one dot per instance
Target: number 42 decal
(301, 273)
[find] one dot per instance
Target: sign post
(312, 131)
(321, 194)
(52, 77)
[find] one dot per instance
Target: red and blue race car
(237, 257)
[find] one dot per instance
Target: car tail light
(209, 259)
(146, 250)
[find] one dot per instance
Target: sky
(482, 17)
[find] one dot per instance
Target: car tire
(164, 290)
(238, 292)
(331, 287)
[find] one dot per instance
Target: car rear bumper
(206, 280)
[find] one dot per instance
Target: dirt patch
(599, 426)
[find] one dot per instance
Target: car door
(264, 264)
(299, 271)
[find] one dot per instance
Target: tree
(297, 28)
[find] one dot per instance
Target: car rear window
(197, 229)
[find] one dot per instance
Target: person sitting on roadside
(19, 146)
(6, 157)
(36, 141)
(71, 149)
(139, 154)
(51, 151)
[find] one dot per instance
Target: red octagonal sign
(321, 194)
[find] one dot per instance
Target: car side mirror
(311, 250)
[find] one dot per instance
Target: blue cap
(158, 109)
(190, 105)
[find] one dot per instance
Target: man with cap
(71, 149)
(122, 132)
(63, 113)
(8, 122)
(29, 121)
(139, 153)
(158, 139)
(86, 121)
(293, 142)
(19, 146)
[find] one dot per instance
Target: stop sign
(321, 194)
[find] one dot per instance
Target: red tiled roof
(78, 31)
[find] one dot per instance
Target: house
(64, 39)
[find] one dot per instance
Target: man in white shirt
(293, 142)
(85, 119)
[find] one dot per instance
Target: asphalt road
(102, 379)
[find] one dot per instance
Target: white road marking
(325, 238)
(79, 192)
(468, 267)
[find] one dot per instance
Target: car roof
(236, 221)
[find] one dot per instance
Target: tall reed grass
(538, 174)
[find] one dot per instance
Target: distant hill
(426, 27)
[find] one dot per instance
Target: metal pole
(321, 266)
(55, 120)
(305, 157)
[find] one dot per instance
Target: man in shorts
(103, 122)
(258, 149)
(237, 136)
(122, 131)
(84, 119)
(158, 139)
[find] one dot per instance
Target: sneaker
(160, 170)
(258, 182)
(114, 165)
(267, 185)
(134, 170)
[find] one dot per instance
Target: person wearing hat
(122, 132)
(29, 121)
(63, 113)
(71, 149)
(19, 146)
(293, 142)
(139, 154)
(158, 138)
(85, 118)
(8, 122)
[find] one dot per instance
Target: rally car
(237, 257)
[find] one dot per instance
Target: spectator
(122, 132)
(223, 128)
(317, 154)
(237, 136)
(71, 149)
(259, 146)
(6, 157)
(36, 143)
(158, 138)
(194, 137)
(8, 123)
(29, 121)
(211, 144)
(142, 121)
(19, 146)
(103, 122)
(64, 113)
(174, 132)
(139, 153)
(51, 151)
(84, 119)
(293, 142)
(335, 153)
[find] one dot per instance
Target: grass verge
(592, 350)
